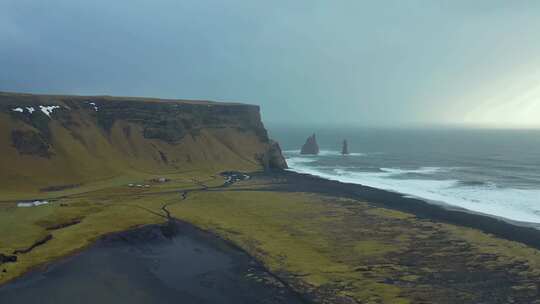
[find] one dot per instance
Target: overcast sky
(381, 63)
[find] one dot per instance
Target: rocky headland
(109, 164)
(71, 140)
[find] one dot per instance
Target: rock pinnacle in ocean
(345, 149)
(311, 146)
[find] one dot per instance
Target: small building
(32, 204)
(160, 180)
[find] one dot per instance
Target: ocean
(491, 172)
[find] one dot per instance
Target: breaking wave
(429, 183)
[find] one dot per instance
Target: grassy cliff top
(58, 141)
(28, 98)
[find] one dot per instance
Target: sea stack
(345, 149)
(311, 146)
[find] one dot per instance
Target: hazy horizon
(404, 64)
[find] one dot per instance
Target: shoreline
(170, 229)
(290, 182)
(382, 230)
(303, 297)
(502, 228)
(44, 266)
(442, 204)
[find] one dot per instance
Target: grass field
(331, 248)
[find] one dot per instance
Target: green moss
(373, 255)
(328, 247)
(372, 248)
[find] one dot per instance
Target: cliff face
(48, 140)
(274, 159)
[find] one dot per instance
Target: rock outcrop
(51, 140)
(345, 148)
(30, 142)
(274, 159)
(311, 146)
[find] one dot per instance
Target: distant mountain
(49, 141)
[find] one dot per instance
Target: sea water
(493, 172)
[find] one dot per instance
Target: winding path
(230, 179)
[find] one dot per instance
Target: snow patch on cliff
(94, 105)
(48, 110)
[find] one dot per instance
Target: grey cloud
(356, 62)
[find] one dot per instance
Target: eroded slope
(56, 142)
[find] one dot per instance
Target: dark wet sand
(146, 266)
(287, 181)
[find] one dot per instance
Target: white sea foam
(515, 204)
(297, 161)
(323, 153)
(422, 170)
(337, 153)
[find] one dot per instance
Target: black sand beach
(288, 181)
(177, 262)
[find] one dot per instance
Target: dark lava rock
(7, 258)
(311, 146)
(30, 143)
(273, 158)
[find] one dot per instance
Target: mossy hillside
(75, 163)
(139, 137)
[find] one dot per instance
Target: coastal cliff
(107, 165)
(51, 141)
